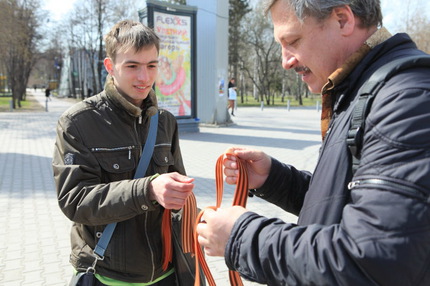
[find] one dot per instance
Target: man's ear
(346, 19)
(108, 65)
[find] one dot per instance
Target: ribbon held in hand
(239, 199)
(189, 214)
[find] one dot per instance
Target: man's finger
(181, 178)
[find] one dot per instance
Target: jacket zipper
(381, 182)
(102, 149)
(139, 121)
(150, 247)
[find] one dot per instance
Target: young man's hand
(171, 190)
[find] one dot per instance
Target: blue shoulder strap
(148, 149)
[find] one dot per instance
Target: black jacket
(99, 143)
(377, 232)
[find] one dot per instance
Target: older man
(375, 232)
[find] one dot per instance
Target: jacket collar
(149, 105)
(341, 73)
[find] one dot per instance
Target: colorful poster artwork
(221, 87)
(173, 86)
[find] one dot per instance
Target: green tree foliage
(255, 57)
(237, 10)
(260, 55)
(84, 29)
(19, 29)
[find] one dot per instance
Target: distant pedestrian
(232, 95)
(48, 94)
(89, 92)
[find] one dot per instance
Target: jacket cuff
(268, 184)
(141, 194)
(232, 249)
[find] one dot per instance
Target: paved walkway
(34, 234)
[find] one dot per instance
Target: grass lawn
(250, 101)
(30, 104)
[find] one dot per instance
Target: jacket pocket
(391, 184)
(116, 163)
(163, 157)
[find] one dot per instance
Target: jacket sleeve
(82, 196)
(285, 187)
(377, 243)
(383, 237)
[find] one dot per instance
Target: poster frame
(146, 16)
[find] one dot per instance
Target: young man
(372, 231)
(99, 143)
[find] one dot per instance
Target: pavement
(34, 234)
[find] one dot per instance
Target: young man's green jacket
(98, 147)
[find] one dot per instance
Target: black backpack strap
(367, 93)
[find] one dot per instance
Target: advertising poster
(174, 84)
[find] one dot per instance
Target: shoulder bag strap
(366, 95)
(148, 149)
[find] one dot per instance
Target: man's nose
(143, 74)
(288, 61)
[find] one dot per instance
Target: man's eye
(153, 66)
(131, 66)
(292, 43)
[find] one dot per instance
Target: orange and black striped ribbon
(189, 214)
(239, 199)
